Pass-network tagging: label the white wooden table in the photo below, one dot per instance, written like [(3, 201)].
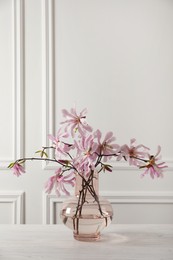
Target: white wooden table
[(118, 242)]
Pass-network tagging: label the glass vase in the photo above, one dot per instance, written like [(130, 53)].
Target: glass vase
[(86, 213)]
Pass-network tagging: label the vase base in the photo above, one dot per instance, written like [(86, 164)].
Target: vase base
[(87, 237)]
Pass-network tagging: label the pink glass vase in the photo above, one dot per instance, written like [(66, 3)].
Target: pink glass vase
[(87, 214)]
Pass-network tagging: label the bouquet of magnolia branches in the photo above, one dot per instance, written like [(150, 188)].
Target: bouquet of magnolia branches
[(80, 151)]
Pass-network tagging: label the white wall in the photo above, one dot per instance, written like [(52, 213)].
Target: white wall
[(114, 57)]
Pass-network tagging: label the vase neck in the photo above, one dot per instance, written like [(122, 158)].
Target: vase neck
[(92, 181)]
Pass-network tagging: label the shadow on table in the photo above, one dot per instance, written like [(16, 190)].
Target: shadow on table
[(113, 238)]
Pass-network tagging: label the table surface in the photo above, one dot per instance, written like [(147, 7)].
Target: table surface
[(121, 242)]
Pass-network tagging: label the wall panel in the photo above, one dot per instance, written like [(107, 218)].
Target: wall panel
[(129, 207), (12, 80), (66, 28), (12, 207), (114, 58)]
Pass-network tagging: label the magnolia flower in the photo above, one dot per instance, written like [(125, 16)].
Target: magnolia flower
[(132, 152), (106, 147), (86, 152), (58, 181), (76, 122), (60, 147), (84, 167), (154, 168), (17, 169)]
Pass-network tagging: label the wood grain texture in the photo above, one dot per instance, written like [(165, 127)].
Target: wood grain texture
[(121, 242)]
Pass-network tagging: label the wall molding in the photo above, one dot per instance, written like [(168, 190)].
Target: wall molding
[(18, 82), (48, 69), (49, 203), (117, 197), (16, 198)]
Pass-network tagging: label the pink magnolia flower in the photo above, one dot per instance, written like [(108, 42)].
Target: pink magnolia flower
[(84, 167), (86, 153), (132, 152), (76, 122), (61, 147), (106, 147), (58, 181), (18, 169), (154, 168)]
